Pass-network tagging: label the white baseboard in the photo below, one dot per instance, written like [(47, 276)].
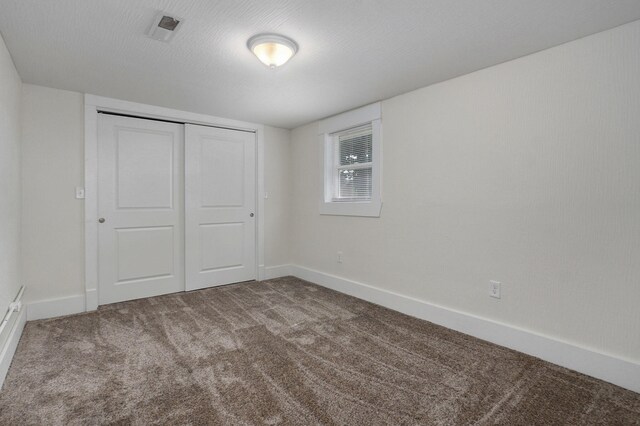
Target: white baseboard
[(620, 372), (52, 308), (91, 300), (276, 271), (11, 343)]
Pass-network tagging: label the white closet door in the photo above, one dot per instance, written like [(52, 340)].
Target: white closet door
[(140, 205), (220, 198)]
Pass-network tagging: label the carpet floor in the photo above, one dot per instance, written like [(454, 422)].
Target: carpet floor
[(285, 352)]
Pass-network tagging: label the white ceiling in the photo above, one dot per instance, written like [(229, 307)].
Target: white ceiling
[(352, 52)]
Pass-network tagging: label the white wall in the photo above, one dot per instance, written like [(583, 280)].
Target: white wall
[(278, 185), (10, 87), (53, 220), (52, 166), (527, 172)]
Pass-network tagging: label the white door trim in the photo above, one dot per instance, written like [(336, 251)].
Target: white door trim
[(93, 104)]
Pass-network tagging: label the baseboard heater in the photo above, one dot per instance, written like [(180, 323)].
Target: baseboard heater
[(14, 306)]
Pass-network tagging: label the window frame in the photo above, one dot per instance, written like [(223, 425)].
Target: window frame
[(368, 115)]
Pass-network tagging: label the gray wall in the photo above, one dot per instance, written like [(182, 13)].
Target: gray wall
[(10, 88), (527, 173)]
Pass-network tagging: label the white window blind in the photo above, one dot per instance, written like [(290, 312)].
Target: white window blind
[(353, 164)]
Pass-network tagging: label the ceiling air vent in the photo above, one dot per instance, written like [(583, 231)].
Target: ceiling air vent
[(164, 27)]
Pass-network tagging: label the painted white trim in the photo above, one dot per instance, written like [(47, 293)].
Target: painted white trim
[(370, 114), (151, 111), (349, 119), (609, 368), (91, 299), (51, 308), (11, 344), (260, 204), (277, 271), (93, 104), (91, 204)]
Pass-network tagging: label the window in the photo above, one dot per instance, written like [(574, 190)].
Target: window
[(353, 164), (351, 144)]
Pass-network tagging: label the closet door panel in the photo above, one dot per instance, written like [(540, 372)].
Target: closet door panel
[(220, 199), (140, 205)]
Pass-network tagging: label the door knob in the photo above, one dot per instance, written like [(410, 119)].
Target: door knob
[(250, 214), (101, 220)]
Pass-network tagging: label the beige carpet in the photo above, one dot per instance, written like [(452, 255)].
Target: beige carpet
[(285, 352)]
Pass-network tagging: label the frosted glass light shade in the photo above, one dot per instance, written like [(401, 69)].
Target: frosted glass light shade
[(272, 50)]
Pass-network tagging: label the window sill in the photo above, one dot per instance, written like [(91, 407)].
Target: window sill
[(364, 209)]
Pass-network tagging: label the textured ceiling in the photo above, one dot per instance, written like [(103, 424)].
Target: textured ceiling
[(352, 52)]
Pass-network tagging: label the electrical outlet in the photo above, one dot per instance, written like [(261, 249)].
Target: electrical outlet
[(494, 289), (339, 257)]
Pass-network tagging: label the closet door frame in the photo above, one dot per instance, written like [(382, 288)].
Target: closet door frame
[(95, 104)]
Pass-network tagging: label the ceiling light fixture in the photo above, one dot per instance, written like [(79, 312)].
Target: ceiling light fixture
[(273, 50)]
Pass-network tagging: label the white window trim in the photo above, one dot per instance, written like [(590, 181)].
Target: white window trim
[(358, 117)]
